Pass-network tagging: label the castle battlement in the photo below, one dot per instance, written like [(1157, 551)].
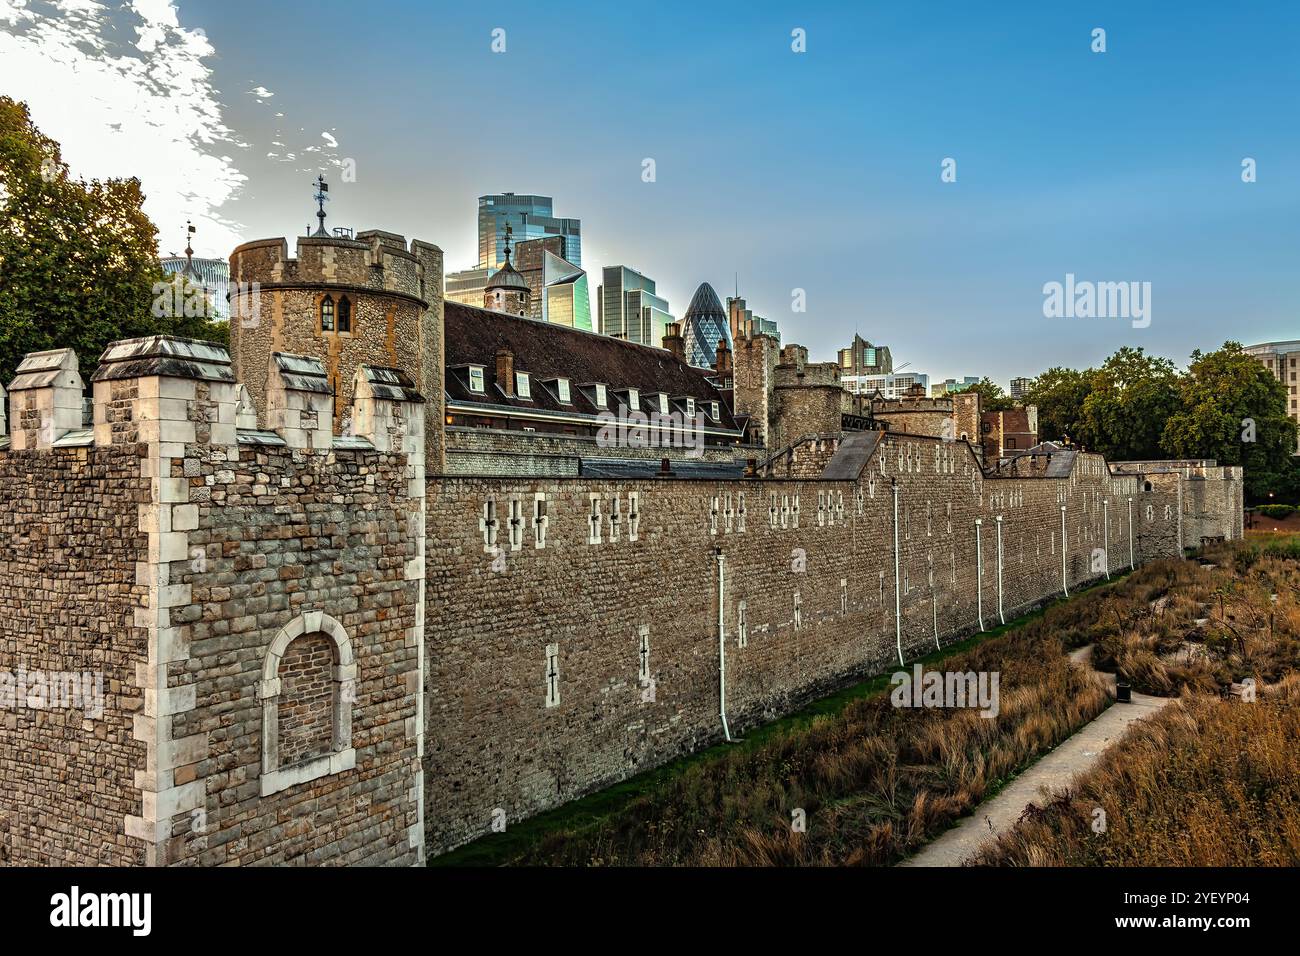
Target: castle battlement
[(374, 260)]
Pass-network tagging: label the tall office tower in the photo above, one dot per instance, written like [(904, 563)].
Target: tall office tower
[(1280, 359), (745, 324), (863, 358), (529, 217), (1020, 387), (704, 325), (628, 308)]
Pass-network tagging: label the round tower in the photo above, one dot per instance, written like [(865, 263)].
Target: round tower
[(349, 301)]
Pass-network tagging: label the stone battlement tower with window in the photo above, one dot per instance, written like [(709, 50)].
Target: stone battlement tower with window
[(348, 301)]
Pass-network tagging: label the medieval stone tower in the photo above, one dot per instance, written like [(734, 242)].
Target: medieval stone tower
[(369, 300)]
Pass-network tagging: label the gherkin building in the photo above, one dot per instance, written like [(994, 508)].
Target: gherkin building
[(703, 326)]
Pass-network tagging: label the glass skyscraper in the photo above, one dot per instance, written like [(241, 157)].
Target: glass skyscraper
[(704, 325), (529, 217), (628, 308)]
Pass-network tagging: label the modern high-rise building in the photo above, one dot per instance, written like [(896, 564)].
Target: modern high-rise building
[(466, 286), (950, 385), (745, 324), (1280, 358), (559, 288), (529, 217), (1020, 387), (863, 358), (704, 325), (889, 384), (627, 307)]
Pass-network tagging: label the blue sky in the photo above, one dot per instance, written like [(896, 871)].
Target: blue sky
[(817, 171)]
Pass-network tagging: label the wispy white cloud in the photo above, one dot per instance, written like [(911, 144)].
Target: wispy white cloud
[(121, 107)]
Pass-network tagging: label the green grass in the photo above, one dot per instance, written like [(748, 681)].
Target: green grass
[(595, 809)]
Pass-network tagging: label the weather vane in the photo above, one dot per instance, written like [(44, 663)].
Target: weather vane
[(321, 197)]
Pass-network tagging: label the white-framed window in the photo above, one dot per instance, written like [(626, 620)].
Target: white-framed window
[(601, 399), (663, 403), (690, 408), (522, 387), (476, 378), (552, 675), (633, 400), (562, 387), (643, 654), (540, 520), (714, 412)]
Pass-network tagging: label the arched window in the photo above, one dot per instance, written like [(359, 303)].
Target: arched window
[(307, 689), (345, 314), (327, 314)]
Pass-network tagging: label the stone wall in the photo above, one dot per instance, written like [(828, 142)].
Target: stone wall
[(185, 563), (68, 554), (574, 624), (492, 451)]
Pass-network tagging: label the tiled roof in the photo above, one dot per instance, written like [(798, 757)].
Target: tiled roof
[(547, 351)]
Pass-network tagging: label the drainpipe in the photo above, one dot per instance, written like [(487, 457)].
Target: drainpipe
[(1105, 531), (898, 601), (1131, 565), (1001, 619), (722, 644), (979, 573), (1065, 585), (1179, 479)]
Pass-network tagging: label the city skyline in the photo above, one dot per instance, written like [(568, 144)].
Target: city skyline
[(1115, 166)]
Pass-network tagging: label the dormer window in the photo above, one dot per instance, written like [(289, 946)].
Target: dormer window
[(476, 378), (522, 388), (690, 408), (663, 403), (633, 399), (714, 412), (601, 398), (562, 388)]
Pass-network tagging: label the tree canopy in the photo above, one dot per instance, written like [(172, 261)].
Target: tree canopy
[(1226, 406), (78, 259)]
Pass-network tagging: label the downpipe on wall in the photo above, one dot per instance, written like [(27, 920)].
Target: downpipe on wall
[(1105, 534), (898, 602), (1131, 547), (979, 572), (1001, 619), (722, 643), (1065, 584)]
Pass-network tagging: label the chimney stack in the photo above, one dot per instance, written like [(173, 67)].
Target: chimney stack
[(506, 371), (723, 364), (673, 341)]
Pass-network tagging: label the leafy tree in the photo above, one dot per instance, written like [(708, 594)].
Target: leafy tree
[(1231, 408), (992, 398), (1059, 394), (78, 260), (1132, 395)]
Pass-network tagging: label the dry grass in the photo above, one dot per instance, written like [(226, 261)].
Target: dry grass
[(876, 782), (1205, 782)]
